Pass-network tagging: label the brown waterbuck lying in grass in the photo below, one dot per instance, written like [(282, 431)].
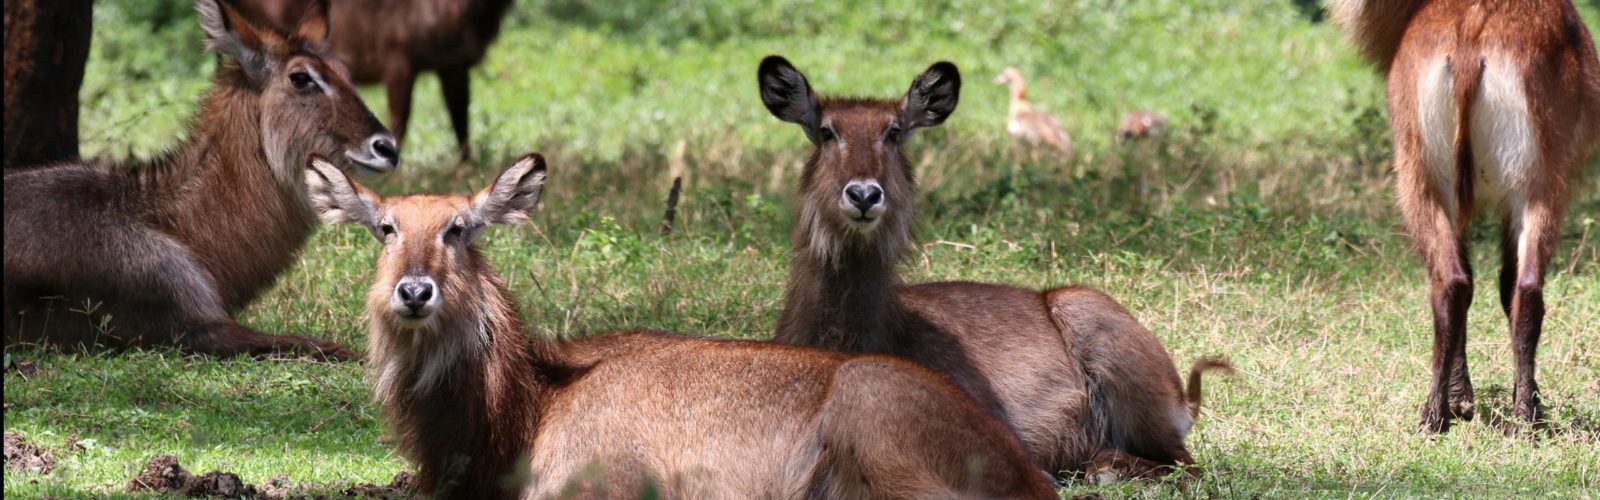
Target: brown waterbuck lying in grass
[(1494, 105), (481, 405), (394, 41), (1086, 387), (165, 251)]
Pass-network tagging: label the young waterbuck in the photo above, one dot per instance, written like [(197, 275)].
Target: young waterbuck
[(1085, 386), (480, 405), (394, 41), (1495, 106), (165, 251)]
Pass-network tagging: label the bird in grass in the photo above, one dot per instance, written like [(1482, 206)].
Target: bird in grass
[(1027, 123), (1142, 125)]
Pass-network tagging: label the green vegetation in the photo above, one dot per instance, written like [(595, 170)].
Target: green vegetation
[(1263, 231)]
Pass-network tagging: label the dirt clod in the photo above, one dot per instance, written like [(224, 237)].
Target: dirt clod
[(163, 474), (23, 456)]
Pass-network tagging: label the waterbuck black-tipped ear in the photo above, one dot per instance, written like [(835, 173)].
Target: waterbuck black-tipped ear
[(932, 97), (228, 33), (787, 94), (514, 193), (314, 24), (337, 199)]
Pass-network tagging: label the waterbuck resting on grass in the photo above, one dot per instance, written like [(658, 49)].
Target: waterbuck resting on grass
[(1494, 105), (165, 251), (1085, 386), (480, 405)]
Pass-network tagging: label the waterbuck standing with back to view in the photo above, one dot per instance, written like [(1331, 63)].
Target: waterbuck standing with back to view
[(1494, 105), (1086, 387), (486, 409), (166, 251)]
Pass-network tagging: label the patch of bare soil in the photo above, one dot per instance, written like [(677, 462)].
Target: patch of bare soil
[(23, 456), (164, 475)]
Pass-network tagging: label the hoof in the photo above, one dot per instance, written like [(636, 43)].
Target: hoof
[(1434, 422), (1462, 409)]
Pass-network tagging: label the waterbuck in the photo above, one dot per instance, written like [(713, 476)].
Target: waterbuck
[(1085, 386), (1494, 105), (165, 251), (480, 405), (393, 41)]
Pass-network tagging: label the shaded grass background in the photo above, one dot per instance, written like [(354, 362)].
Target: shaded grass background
[(1262, 230)]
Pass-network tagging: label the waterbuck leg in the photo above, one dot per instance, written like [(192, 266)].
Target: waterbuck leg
[(227, 339), (398, 88), (1432, 219), (457, 87), (1540, 221), (1112, 465)]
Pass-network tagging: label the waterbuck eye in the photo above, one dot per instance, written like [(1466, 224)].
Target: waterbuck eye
[(893, 134), (826, 134), (387, 230), (454, 232), (302, 81)]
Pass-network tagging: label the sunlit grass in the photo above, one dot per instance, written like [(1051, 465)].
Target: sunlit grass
[(1264, 232)]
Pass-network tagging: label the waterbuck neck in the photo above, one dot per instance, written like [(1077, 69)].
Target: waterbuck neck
[(475, 388), (243, 219), (848, 302)]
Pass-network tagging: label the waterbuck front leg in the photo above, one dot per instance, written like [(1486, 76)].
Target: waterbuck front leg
[(457, 86), (226, 339), (166, 294)]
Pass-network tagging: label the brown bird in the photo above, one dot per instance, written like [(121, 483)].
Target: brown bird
[(1142, 125), (1029, 124)]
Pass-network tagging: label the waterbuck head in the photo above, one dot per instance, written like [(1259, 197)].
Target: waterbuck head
[(301, 95), (429, 270), (857, 188)]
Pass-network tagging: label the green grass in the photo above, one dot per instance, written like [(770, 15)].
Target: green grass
[(1264, 233)]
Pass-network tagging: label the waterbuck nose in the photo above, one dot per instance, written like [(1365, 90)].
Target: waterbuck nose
[(415, 294), (384, 147), (863, 195)]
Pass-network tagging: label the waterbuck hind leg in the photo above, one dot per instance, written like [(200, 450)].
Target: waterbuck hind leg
[(1540, 229), (1431, 220), (1111, 466), (457, 87)]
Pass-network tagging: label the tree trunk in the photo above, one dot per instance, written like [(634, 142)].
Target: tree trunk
[(46, 47)]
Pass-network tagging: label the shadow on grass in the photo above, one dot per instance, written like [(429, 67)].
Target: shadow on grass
[(238, 414)]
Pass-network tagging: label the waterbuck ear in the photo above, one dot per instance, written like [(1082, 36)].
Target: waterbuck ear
[(513, 194), (229, 34), (337, 199), (932, 97), (787, 94), (313, 28)]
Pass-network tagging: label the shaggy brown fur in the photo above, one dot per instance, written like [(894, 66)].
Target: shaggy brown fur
[(164, 252), (1069, 369), (486, 410), (394, 41), (1494, 104)]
